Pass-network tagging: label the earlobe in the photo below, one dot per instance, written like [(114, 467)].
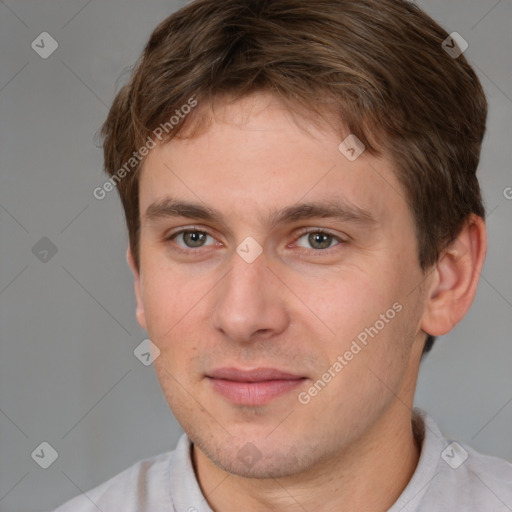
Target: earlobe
[(455, 278), (139, 313)]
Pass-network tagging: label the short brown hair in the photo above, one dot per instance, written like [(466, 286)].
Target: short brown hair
[(378, 64)]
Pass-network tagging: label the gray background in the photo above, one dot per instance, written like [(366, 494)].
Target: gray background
[(68, 375)]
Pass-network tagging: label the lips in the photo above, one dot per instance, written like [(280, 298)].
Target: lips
[(253, 387), (255, 375)]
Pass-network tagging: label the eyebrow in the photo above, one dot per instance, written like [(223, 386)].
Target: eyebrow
[(338, 209)]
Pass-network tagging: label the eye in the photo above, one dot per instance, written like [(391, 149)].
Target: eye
[(317, 240), (191, 238)]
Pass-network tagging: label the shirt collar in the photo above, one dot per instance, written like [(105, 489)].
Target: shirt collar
[(186, 494)]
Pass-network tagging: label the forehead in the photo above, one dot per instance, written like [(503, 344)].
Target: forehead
[(256, 156)]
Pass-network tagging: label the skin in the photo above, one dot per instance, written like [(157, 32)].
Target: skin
[(296, 308)]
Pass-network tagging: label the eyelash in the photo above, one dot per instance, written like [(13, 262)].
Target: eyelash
[(320, 231), (303, 232)]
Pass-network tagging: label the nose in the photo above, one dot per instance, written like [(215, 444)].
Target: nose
[(250, 302)]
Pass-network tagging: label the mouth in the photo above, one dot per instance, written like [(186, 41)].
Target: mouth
[(253, 387)]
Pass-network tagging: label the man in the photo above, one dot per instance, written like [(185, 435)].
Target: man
[(304, 217)]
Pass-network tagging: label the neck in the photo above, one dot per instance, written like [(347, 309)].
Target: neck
[(370, 475)]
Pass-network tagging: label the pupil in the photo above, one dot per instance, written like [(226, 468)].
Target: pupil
[(319, 240)]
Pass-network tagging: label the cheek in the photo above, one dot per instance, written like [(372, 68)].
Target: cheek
[(369, 315), (169, 298), (177, 310), (345, 303)]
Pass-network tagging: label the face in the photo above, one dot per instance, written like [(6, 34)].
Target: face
[(279, 280)]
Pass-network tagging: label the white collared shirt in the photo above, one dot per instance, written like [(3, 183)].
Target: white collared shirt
[(449, 477)]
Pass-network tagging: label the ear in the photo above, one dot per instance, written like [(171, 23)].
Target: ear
[(454, 280), (140, 314)]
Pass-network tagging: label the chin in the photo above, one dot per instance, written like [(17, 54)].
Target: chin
[(263, 466), (260, 459)]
